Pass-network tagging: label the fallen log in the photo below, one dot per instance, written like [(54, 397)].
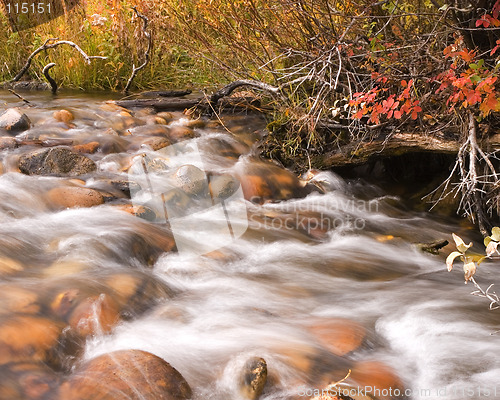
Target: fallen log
[(397, 144), (180, 104)]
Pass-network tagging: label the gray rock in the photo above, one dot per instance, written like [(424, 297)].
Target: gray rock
[(57, 161), (191, 180), (12, 120), (223, 186)]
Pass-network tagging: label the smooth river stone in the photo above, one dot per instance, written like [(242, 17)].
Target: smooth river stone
[(27, 381), (63, 116), (377, 375), (94, 315), (180, 133), (59, 161), (191, 180), (27, 338), (338, 335), (15, 299), (263, 181), (125, 375), (74, 196), (12, 120)]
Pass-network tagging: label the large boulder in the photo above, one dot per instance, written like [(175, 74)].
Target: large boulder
[(12, 120), (126, 374), (59, 161)]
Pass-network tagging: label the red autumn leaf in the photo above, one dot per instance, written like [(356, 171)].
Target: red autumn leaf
[(398, 114)]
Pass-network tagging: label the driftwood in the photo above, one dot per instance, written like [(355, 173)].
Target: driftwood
[(396, 144), (165, 93), (180, 104)]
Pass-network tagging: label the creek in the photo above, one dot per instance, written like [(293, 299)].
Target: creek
[(315, 283)]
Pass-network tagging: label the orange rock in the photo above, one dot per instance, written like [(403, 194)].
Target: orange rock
[(376, 375), (195, 123), (89, 148), (73, 196), (139, 211), (14, 299), (27, 338), (338, 335), (27, 381), (9, 266), (98, 314), (263, 181), (63, 116), (157, 142), (126, 374), (178, 133), (255, 188)]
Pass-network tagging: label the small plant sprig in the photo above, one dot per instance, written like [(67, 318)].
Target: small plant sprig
[(472, 261)]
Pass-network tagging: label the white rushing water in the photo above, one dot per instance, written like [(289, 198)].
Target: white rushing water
[(258, 296)]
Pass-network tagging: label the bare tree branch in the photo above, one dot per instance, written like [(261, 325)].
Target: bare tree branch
[(49, 45), (135, 69)]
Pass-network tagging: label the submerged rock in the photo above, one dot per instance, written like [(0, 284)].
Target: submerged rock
[(377, 376), (12, 120), (27, 381), (340, 336), (89, 148), (63, 116), (264, 181), (27, 338), (59, 161), (126, 374)]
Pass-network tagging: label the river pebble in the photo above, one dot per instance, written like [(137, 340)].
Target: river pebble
[(134, 374)]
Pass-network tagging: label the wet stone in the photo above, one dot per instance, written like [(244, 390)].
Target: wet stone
[(27, 381), (63, 116), (74, 196), (27, 338), (15, 299), (94, 315), (338, 335), (254, 378), (376, 375), (223, 186), (8, 142), (179, 133), (191, 180), (57, 161), (156, 143), (89, 148), (134, 374), (12, 120)]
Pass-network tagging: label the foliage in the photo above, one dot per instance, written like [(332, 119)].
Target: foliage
[(471, 259)]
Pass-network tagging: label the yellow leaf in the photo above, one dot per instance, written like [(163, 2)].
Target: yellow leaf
[(461, 246), (451, 258)]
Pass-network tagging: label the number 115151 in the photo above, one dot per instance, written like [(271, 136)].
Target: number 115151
[(27, 8)]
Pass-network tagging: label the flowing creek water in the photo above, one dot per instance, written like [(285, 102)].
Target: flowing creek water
[(314, 283)]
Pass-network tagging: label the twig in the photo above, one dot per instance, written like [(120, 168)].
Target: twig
[(48, 45), (19, 96), (491, 296), (135, 69)]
